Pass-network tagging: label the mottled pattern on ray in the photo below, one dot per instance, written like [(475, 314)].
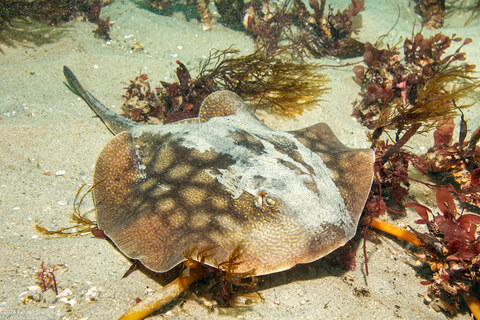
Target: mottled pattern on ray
[(352, 175), (224, 181)]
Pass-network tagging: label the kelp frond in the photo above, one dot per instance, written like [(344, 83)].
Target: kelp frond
[(275, 83), (82, 224)]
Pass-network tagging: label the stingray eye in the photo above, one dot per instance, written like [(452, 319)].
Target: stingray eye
[(263, 200), (269, 201)]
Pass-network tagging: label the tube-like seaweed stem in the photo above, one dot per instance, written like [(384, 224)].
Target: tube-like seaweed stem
[(473, 304), (193, 271), (398, 232), (470, 299), (400, 143)]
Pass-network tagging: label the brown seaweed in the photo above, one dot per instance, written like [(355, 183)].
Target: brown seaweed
[(82, 225), (433, 12), (224, 275), (280, 85), (303, 32), (275, 83)]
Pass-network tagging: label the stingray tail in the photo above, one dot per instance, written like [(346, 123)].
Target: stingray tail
[(114, 122)]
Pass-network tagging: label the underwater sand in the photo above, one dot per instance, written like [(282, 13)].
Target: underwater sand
[(45, 128)]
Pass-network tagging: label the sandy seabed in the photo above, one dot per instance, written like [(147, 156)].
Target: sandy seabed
[(44, 127)]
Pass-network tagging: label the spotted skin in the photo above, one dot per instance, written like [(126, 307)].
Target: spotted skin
[(225, 181)]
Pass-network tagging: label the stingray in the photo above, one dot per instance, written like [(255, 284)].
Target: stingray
[(227, 182)]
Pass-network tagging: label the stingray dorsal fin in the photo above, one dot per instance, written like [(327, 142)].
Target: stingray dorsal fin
[(220, 104)]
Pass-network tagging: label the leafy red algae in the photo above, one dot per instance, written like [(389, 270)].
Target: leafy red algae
[(452, 251)]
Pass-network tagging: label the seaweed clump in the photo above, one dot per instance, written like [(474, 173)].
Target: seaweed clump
[(408, 95), (229, 287), (235, 288), (275, 83), (46, 278), (169, 103), (330, 34), (412, 93), (433, 12), (279, 85), (290, 25), (451, 251), (450, 248), (304, 32), (458, 162)]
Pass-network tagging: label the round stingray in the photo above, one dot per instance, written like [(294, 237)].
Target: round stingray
[(206, 190)]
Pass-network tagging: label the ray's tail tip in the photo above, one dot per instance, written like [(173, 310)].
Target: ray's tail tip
[(72, 82), (67, 72)]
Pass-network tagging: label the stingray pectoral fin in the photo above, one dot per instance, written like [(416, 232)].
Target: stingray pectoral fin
[(114, 122), (130, 208), (353, 177), (319, 138), (116, 173), (352, 168)]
